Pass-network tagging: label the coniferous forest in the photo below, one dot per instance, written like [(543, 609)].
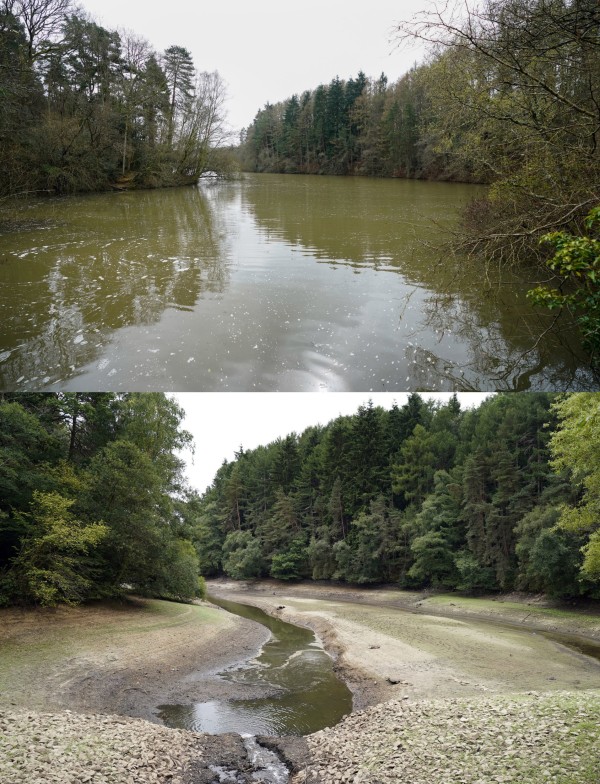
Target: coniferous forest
[(496, 498), (490, 499), (83, 108)]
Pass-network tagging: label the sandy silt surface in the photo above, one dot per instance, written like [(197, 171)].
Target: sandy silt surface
[(385, 652), (120, 658)]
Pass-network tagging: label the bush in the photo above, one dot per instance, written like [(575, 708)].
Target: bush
[(576, 263)]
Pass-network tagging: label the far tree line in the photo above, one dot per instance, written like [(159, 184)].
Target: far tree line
[(84, 108), (509, 96), (499, 498), (93, 502)]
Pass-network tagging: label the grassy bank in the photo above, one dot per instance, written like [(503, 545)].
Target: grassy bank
[(74, 657), (527, 610), (390, 642), (523, 610)]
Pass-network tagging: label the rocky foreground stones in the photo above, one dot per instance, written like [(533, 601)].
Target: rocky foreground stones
[(70, 748), (527, 738)]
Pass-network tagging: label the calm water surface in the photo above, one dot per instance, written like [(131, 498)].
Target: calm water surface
[(307, 697), (288, 283)]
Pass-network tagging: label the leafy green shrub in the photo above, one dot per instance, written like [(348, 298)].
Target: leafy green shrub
[(48, 569), (242, 555), (576, 262)]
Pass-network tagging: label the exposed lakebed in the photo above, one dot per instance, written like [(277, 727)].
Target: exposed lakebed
[(303, 693), (276, 282)]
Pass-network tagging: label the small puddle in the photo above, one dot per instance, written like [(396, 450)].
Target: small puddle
[(305, 695)]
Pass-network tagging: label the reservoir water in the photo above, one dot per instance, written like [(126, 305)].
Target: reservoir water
[(304, 694), (276, 282)]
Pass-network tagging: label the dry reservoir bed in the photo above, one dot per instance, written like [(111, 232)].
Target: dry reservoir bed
[(469, 703)]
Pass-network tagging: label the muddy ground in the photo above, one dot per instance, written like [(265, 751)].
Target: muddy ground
[(390, 643), (122, 658), (129, 658)]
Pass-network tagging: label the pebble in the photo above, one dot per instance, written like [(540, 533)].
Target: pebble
[(513, 739), (70, 748)]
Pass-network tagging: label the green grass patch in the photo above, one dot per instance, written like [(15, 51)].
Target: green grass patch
[(482, 604)]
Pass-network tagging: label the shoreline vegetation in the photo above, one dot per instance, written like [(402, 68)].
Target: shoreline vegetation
[(113, 661), (497, 498), (508, 96), (89, 109)]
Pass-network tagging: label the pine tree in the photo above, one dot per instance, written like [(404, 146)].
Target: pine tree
[(179, 71)]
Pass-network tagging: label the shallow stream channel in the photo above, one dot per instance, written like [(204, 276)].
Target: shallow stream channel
[(304, 694)]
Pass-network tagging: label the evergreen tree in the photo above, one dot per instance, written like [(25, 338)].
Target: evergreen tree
[(179, 72)]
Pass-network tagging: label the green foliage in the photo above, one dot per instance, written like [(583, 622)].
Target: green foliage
[(575, 448), (47, 569), (69, 460), (591, 562), (420, 495), (433, 561), (358, 126), (208, 539), (320, 555), (473, 577), (576, 263), (178, 573), (549, 558), (555, 561), (292, 563), (242, 556)]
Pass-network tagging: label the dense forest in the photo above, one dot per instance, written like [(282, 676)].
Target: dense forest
[(91, 499), (83, 108), (510, 97), (501, 497)]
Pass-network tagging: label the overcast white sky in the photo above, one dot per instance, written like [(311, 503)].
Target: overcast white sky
[(222, 421), (267, 50)]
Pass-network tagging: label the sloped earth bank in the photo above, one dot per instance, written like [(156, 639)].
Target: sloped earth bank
[(469, 702), (390, 643), (70, 679)]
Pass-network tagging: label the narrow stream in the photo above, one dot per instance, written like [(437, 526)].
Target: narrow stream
[(305, 695)]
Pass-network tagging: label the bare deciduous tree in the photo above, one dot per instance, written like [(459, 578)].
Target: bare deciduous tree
[(42, 20), (517, 82), (203, 127)]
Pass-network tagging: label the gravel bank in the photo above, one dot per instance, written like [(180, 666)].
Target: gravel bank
[(69, 748), (529, 738), (519, 739)]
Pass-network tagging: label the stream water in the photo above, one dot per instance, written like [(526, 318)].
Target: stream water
[(304, 694)]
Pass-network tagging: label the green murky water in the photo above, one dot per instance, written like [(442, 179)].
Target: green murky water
[(288, 283), (305, 695)]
